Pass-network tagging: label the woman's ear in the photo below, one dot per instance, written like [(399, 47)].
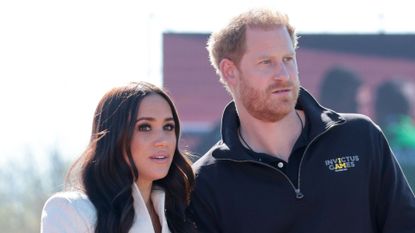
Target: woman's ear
[(229, 72)]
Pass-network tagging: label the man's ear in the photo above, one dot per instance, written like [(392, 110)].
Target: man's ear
[(229, 72)]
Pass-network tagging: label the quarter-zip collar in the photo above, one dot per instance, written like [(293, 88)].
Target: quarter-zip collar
[(320, 119)]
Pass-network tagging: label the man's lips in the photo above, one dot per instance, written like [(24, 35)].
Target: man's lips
[(281, 91)]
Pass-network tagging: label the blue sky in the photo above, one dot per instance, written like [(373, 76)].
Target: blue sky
[(57, 58)]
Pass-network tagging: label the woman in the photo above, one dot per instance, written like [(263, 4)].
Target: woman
[(131, 177)]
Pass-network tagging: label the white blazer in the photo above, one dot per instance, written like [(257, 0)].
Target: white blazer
[(73, 212)]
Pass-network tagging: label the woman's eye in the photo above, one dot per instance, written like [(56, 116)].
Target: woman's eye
[(144, 127), (169, 127)]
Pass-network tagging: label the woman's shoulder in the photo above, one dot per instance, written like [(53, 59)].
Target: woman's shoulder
[(67, 210), (69, 200), (69, 196)]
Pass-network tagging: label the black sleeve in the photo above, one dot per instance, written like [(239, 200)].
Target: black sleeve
[(395, 207), (202, 210)]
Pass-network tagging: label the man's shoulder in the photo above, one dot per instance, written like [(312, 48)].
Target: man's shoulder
[(355, 116), (206, 160), (361, 124), (358, 120)]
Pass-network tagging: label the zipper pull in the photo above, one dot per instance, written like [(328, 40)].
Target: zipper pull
[(298, 194)]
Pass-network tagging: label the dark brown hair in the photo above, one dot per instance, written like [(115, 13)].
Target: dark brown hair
[(103, 173)]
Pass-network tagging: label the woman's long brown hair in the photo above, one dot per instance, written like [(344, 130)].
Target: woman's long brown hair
[(107, 178)]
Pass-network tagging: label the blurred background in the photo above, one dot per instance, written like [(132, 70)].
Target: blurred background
[(58, 58)]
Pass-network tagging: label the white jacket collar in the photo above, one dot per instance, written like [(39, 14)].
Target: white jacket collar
[(142, 220)]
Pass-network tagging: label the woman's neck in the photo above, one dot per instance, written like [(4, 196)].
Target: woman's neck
[(145, 190)]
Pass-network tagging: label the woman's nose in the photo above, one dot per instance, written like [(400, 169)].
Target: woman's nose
[(162, 139)]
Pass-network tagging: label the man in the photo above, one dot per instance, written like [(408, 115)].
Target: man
[(285, 163)]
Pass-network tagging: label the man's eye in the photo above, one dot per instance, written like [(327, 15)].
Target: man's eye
[(169, 127), (287, 59), (266, 61), (144, 127)]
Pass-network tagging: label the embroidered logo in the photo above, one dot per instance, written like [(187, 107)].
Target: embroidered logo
[(342, 163)]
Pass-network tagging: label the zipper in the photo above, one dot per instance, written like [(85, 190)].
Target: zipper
[(299, 194), (297, 190)]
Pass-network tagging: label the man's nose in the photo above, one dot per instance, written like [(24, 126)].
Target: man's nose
[(281, 72)]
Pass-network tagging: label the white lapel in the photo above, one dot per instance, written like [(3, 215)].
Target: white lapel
[(158, 196), (142, 219)]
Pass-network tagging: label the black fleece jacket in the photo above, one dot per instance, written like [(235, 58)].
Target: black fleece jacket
[(348, 181)]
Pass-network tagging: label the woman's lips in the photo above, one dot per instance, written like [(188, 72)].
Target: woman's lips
[(159, 157)]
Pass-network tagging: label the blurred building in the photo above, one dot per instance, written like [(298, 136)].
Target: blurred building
[(200, 98)]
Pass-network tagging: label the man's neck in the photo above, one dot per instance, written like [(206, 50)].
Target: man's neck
[(273, 138)]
